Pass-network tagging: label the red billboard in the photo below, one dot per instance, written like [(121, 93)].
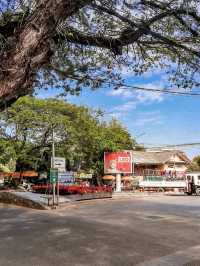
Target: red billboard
[(118, 162)]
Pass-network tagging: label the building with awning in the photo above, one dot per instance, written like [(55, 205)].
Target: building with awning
[(168, 163), (163, 162)]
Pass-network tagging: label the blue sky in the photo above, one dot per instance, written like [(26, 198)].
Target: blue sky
[(165, 119)]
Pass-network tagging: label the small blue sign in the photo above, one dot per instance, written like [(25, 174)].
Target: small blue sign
[(66, 178)]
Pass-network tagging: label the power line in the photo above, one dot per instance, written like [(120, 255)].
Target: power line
[(172, 145), (165, 91), (140, 135)]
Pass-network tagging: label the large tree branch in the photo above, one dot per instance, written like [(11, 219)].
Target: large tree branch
[(133, 33), (74, 36), (165, 6), (31, 48), (127, 37), (185, 25), (173, 43)]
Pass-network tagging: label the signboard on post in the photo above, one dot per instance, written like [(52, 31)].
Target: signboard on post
[(66, 178), (84, 176), (59, 163), (53, 175), (118, 162)]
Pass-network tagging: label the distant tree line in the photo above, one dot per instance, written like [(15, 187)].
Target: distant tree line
[(81, 135)]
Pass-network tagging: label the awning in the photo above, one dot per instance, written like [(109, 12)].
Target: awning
[(29, 174), (108, 177), (15, 175)]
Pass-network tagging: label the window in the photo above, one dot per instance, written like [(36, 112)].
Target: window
[(190, 178)]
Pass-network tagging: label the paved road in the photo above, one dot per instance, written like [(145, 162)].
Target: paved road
[(143, 231)]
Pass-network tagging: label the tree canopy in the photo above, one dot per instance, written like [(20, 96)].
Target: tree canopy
[(195, 164), (81, 136), (84, 43)]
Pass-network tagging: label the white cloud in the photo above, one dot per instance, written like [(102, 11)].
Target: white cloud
[(153, 117), (140, 96), (124, 93), (127, 72), (120, 111), (148, 120), (149, 96), (130, 105), (132, 98), (116, 115)]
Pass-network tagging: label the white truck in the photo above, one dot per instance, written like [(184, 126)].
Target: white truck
[(190, 184)]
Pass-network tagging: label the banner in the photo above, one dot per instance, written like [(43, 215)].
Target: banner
[(118, 162)]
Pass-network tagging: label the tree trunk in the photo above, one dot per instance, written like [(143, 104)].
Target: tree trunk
[(30, 48)]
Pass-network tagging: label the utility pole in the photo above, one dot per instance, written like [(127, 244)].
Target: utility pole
[(52, 166), (57, 185)]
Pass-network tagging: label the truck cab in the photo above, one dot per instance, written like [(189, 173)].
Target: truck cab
[(193, 180)]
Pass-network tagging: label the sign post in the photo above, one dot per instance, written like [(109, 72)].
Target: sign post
[(54, 180), (52, 176), (59, 164)]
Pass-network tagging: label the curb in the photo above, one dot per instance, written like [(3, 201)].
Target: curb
[(11, 198)]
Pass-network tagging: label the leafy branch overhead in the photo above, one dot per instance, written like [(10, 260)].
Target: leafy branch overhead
[(84, 43)]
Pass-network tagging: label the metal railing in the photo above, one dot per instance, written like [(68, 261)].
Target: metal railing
[(159, 174), (163, 178)]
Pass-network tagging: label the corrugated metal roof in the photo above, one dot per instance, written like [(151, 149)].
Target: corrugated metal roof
[(147, 157)]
